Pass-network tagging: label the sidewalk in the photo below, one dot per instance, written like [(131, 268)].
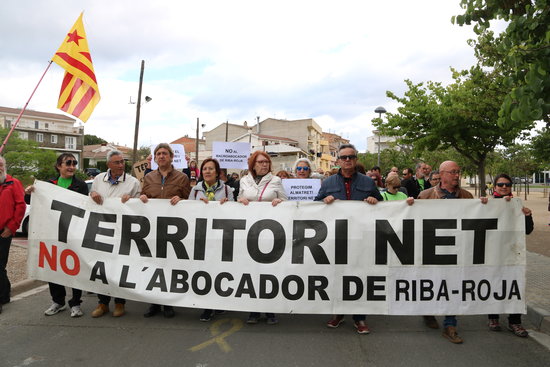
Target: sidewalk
[(537, 273)]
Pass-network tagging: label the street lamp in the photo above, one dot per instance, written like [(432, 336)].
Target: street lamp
[(197, 142), (379, 110)]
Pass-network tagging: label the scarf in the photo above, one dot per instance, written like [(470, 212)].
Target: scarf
[(210, 191)]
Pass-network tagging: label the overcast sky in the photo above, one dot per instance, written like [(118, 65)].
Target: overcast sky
[(332, 61)]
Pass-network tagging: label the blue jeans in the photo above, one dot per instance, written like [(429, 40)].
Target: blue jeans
[(449, 321)]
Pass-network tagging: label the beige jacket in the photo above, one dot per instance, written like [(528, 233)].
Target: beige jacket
[(436, 193)]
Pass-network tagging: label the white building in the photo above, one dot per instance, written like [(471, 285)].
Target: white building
[(385, 142)]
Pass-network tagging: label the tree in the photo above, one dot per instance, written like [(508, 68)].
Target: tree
[(25, 160), (93, 140), (521, 52), (462, 116), (540, 146)]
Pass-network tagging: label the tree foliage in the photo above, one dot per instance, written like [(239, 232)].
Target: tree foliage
[(93, 140), (462, 116), (25, 160), (521, 53), (540, 146)]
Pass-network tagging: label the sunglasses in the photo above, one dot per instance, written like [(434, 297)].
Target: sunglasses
[(346, 157), (302, 168), (502, 184), (70, 162)]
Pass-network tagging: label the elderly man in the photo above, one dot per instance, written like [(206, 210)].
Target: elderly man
[(164, 183), (448, 188), (12, 210), (347, 184), (114, 183)]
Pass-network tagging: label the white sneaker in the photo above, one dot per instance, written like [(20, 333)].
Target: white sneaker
[(76, 311), (55, 308)]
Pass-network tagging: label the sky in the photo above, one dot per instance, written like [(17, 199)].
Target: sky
[(219, 61)]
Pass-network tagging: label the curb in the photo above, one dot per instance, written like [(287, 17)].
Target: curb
[(25, 285), (540, 318)]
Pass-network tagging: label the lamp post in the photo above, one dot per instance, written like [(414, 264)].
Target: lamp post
[(379, 110), (138, 110)]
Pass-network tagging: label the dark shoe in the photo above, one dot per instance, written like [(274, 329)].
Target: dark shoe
[(431, 322), (519, 330), (361, 327), (221, 312), (252, 319), (451, 334), (335, 321), (0, 308), (152, 311), (494, 325), (169, 312), (206, 315), (272, 320)]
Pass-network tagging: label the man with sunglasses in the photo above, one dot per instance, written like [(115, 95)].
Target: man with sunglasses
[(12, 210), (114, 183), (448, 188), (348, 184)]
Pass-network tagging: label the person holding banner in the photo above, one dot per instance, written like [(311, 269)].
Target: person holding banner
[(448, 188), (348, 184), (12, 210), (503, 189), (66, 169), (261, 185), (114, 183), (164, 183), (211, 188), (302, 168)]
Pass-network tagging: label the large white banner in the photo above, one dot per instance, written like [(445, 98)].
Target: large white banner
[(435, 257)]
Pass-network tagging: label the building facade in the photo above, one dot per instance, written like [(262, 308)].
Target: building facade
[(51, 131), (385, 142)]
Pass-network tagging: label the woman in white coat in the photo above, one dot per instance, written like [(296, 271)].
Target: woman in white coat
[(261, 185)]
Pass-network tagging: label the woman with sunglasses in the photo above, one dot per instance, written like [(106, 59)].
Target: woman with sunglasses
[(302, 168), (261, 185), (503, 189), (66, 168)]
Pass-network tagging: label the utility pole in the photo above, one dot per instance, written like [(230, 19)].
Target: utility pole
[(138, 108)]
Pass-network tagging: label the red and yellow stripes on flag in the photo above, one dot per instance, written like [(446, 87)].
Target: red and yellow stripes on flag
[(79, 91)]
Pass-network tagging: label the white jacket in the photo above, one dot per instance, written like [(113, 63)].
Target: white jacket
[(269, 188)]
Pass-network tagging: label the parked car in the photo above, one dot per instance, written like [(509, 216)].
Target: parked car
[(89, 183), (24, 227), (92, 172)]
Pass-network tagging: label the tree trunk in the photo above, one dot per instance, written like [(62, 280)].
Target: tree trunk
[(481, 175)]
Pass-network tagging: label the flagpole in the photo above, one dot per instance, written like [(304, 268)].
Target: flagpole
[(24, 108)]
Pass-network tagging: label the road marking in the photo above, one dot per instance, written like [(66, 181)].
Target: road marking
[(218, 338)]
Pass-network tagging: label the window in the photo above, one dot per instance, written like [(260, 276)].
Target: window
[(7, 124), (23, 135), (46, 126), (36, 124), (70, 142), (40, 137), (53, 139)]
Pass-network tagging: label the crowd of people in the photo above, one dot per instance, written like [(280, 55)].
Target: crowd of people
[(348, 181)]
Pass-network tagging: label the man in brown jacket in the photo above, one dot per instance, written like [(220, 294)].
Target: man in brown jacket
[(448, 188), (164, 183)]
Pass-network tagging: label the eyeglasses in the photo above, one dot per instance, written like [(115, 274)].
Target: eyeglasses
[(435, 179), (302, 168), (346, 157), (502, 184), (262, 162), (118, 162), (453, 172), (70, 162)]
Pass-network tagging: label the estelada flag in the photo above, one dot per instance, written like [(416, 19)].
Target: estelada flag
[(79, 91)]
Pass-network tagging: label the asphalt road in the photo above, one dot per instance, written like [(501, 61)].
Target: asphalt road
[(29, 338)]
